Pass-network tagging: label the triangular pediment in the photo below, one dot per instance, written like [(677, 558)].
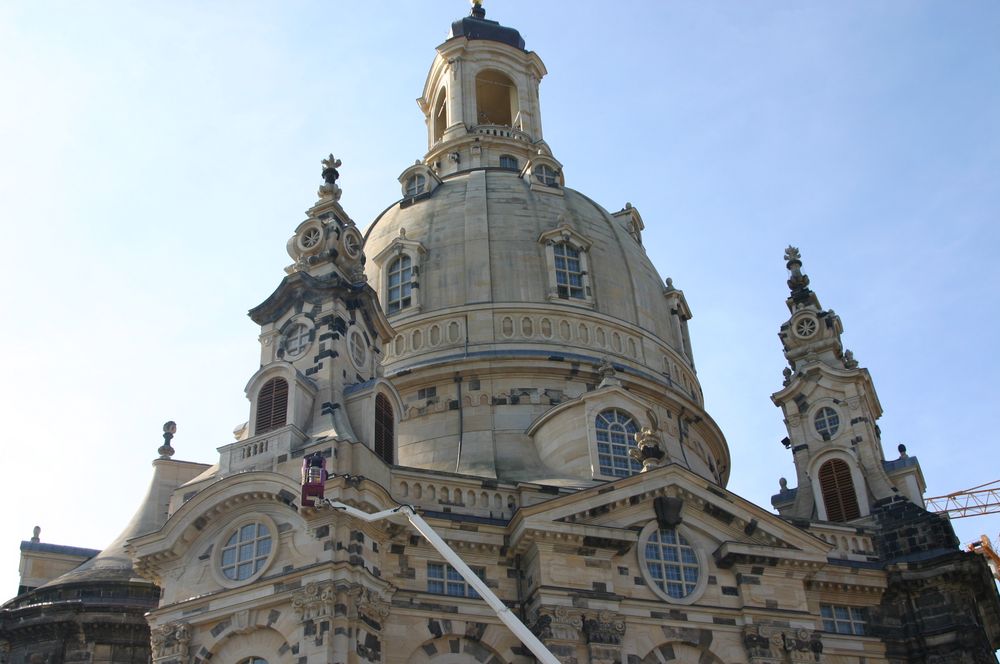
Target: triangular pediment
[(611, 516)]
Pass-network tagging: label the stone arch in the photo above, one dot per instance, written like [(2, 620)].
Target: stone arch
[(681, 652), (235, 645), (454, 649), (468, 643)]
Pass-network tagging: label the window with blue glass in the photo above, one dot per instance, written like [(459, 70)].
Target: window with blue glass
[(672, 563), (246, 551), (844, 619), (615, 431), (443, 579)]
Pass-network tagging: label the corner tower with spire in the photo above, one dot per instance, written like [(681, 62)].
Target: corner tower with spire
[(831, 411)]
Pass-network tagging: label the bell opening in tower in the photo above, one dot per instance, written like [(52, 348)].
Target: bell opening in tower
[(440, 115), (496, 99)]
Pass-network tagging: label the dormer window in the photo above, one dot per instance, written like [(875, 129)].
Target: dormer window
[(417, 182), (400, 278), (546, 175), (415, 185), (569, 274), (508, 162), (399, 268), (566, 254)]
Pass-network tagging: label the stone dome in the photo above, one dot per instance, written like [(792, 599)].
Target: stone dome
[(508, 264), (530, 327)]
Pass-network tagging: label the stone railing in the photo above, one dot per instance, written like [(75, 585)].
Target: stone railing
[(502, 132), (847, 542), (457, 497)]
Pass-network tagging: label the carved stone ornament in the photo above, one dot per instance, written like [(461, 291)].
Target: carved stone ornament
[(316, 600), (330, 176), (647, 450), (608, 373), (769, 643), (243, 621), (369, 604), (605, 628), (558, 624), (171, 642)]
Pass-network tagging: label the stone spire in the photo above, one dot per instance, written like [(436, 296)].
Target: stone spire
[(798, 282), (830, 410)]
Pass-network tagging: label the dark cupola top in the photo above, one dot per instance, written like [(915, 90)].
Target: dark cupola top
[(476, 26)]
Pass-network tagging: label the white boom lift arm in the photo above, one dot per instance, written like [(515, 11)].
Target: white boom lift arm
[(503, 613)]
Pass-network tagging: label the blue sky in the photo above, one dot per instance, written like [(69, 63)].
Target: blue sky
[(157, 156)]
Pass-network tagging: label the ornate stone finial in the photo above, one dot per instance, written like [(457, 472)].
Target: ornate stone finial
[(166, 451), (798, 283), (330, 166), (35, 534), (608, 373), (902, 451), (477, 9), (787, 373), (670, 284), (647, 450), (849, 360), (330, 176), (783, 484)]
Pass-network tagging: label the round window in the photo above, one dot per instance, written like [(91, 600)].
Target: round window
[(309, 238), (358, 349), (806, 326), (352, 243), (296, 340), (672, 563), (827, 422), (246, 551)]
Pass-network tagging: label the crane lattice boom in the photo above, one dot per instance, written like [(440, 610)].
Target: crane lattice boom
[(982, 499)]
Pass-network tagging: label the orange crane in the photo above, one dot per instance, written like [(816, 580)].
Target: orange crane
[(979, 500), (985, 547), (982, 499)]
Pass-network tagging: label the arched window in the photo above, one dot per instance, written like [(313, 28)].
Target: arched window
[(415, 185), (272, 405), (546, 175), (837, 488), (496, 98), (384, 428), (615, 435), (569, 273), (508, 162), (400, 275)]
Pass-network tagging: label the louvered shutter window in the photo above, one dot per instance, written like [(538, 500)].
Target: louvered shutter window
[(837, 488), (384, 428), (272, 405)]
